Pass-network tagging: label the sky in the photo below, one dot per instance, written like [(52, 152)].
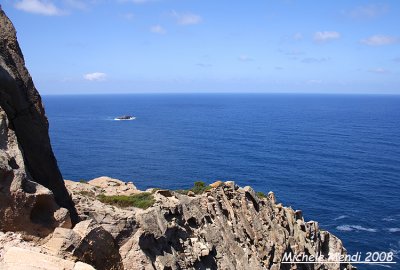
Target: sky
[(151, 46)]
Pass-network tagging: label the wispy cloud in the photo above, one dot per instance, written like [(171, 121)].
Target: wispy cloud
[(310, 60), (379, 40), (41, 7), (245, 58), (379, 70), (187, 18), (368, 11), (95, 76), (325, 36), (397, 59), (158, 29)]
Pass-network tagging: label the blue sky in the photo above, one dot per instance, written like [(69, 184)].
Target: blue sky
[(146, 46)]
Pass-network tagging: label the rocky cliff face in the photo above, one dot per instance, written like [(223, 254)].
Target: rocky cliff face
[(25, 205), (23, 107), (226, 227)]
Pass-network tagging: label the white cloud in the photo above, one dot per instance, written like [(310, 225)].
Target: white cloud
[(245, 58), (95, 76), (158, 29), (326, 36), (42, 7), (368, 11), (187, 18), (379, 70), (379, 40)]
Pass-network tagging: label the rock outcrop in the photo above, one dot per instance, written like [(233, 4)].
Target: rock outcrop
[(25, 205), (22, 104), (227, 227)]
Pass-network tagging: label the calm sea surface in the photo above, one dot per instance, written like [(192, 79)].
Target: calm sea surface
[(336, 157)]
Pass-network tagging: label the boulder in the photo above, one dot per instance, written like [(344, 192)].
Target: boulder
[(87, 242)]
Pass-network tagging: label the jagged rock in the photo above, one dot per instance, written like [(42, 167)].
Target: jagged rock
[(224, 228), (25, 206), (164, 192), (216, 184), (22, 104), (87, 242)]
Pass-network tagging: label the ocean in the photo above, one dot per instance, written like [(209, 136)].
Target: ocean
[(336, 157)]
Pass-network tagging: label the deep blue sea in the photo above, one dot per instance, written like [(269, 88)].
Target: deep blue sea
[(336, 157)]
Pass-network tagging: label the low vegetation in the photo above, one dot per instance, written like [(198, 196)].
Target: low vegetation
[(199, 187), (142, 200), (261, 194)]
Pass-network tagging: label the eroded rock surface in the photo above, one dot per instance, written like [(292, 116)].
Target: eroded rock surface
[(25, 205), (87, 242), (227, 227)]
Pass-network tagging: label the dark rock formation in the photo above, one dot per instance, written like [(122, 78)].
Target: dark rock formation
[(22, 103)]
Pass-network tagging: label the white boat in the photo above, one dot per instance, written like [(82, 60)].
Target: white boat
[(125, 117)]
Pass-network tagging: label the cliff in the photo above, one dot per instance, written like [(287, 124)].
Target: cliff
[(223, 227), (22, 104), (109, 224)]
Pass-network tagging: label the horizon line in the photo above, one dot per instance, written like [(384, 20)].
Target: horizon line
[(224, 93)]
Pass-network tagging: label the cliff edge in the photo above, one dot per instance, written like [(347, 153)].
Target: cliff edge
[(26, 117)]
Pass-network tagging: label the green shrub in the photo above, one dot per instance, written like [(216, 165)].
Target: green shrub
[(142, 200), (200, 187), (83, 181), (261, 194)]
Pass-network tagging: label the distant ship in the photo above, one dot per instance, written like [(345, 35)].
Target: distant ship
[(125, 117)]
